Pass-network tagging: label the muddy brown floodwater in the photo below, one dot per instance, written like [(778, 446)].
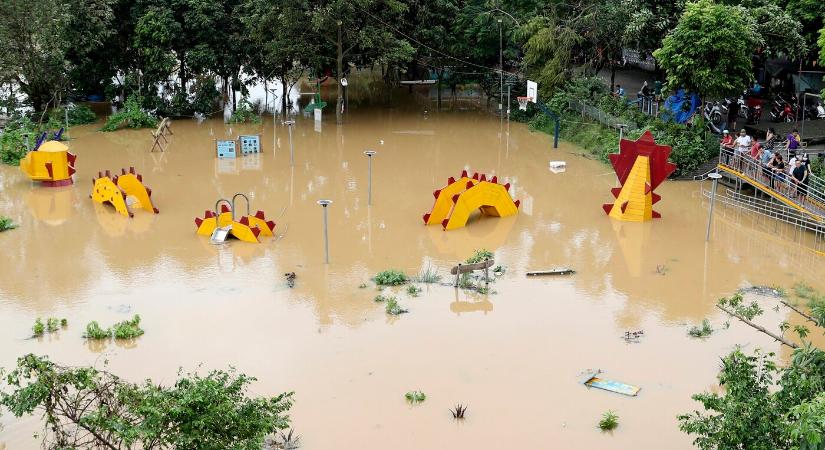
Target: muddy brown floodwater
[(513, 356)]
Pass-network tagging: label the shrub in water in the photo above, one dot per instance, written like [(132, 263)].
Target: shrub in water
[(6, 224), (128, 329), (703, 331), (244, 114), (131, 116), (38, 327), (393, 308), (390, 277), (479, 256), (415, 396), (93, 331)]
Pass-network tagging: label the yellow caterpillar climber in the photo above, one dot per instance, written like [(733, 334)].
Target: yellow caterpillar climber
[(115, 190), (455, 202)]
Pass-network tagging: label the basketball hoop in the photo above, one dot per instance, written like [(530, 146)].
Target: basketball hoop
[(522, 102)]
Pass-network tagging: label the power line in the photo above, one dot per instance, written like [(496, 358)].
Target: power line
[(430, 48)]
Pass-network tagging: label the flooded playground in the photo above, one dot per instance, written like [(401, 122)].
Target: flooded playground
[(514, 356)]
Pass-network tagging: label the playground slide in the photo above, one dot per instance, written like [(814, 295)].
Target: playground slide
[(455, 202), (246, 229), (116, 189)]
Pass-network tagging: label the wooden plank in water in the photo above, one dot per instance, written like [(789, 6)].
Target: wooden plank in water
[(551, 272), (465, 268)]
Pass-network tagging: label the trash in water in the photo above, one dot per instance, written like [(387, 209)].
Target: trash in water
[(633, 336), (290, 279)]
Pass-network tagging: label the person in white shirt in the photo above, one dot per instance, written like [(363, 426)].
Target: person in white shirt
[(743, 145), (792, 163)]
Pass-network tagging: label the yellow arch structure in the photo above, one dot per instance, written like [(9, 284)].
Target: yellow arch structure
[(115, 189), (455, 202)]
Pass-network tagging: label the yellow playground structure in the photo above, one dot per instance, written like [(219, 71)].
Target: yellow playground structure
[(123, 191), (455, 202), (247, 228), (51, 164)]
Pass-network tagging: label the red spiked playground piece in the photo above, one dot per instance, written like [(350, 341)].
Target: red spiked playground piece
[(641, 166)]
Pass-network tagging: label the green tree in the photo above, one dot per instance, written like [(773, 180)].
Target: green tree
[(764, 406), (280, 44), (84, 408), (35, 44), (359, 32), (709, 51)]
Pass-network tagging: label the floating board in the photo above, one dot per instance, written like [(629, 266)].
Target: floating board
[(551, 272), (226, 148), (558, 164), (465, 268), (592, 380)]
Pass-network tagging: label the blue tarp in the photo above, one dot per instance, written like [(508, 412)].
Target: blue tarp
[(680, 106)]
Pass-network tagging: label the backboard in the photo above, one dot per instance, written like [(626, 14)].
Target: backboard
[(533, 91)]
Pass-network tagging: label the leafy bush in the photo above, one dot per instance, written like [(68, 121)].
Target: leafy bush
[(78, 115), (95, 332), (244, 114), (6, 224), (701, 331), (393, 308), (128, 329), (479, 256), (52, 324), (13, 140), (415, 396), (390, 277), (610, 420), (206, 97), (413, 290), (38, 329), (131, 116)]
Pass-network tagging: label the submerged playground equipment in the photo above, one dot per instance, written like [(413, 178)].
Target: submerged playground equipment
[(221, 225), (51, 164), (641, 167), (125, 191), (455, 202)]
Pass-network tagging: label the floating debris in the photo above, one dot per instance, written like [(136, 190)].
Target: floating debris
[(459, 411), (766, 291), (591, 379), (290, 279), (566, 271), (633, 336)]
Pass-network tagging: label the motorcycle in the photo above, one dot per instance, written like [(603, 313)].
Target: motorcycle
[(754, 114), (782, 110), (713, 116)]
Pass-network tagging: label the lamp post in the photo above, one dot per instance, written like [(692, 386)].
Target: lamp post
[(324, 204), (500, 68), (621, 130), (289, 124), (715, 176), (369, 154)]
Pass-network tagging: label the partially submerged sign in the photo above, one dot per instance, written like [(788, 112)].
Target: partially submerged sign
[(591, 379), (466, 268), (226, 148)]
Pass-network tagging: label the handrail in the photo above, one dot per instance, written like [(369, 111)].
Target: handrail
[(778, 185)]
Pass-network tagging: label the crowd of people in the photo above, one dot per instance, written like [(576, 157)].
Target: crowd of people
[(765, 162)]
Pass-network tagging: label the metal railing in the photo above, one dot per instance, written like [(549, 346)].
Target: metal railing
[(809, 198), (600, 116)]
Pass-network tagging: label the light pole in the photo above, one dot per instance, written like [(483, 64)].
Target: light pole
[(325, 203), (621, 131), (715, 176), (500, 68), (289, 124), (370, 154)]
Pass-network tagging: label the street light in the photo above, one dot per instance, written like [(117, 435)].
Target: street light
[(289, 124), (500, 67), (715, 176), (325, 203), (370, 154)]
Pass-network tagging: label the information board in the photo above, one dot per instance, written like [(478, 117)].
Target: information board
[(226, 148), (250, 144)]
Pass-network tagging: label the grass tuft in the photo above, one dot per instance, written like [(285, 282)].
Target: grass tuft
[(610, 420), (704, 330), (413, 290), (415, 396), (6, 224), (459, 411), (428, 275), (393, 308)]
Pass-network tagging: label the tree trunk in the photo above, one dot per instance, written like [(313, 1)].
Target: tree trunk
[(339, 115), (612, 77), (440, 72), (285, 89)]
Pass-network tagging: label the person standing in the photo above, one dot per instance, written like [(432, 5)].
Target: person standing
[(777, 166), (770, 139), (799, 176), (794, 141), (743, 146), (733, 114)]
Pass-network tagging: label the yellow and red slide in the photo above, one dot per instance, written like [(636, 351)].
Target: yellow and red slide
[(116, 189), (455, 202)]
